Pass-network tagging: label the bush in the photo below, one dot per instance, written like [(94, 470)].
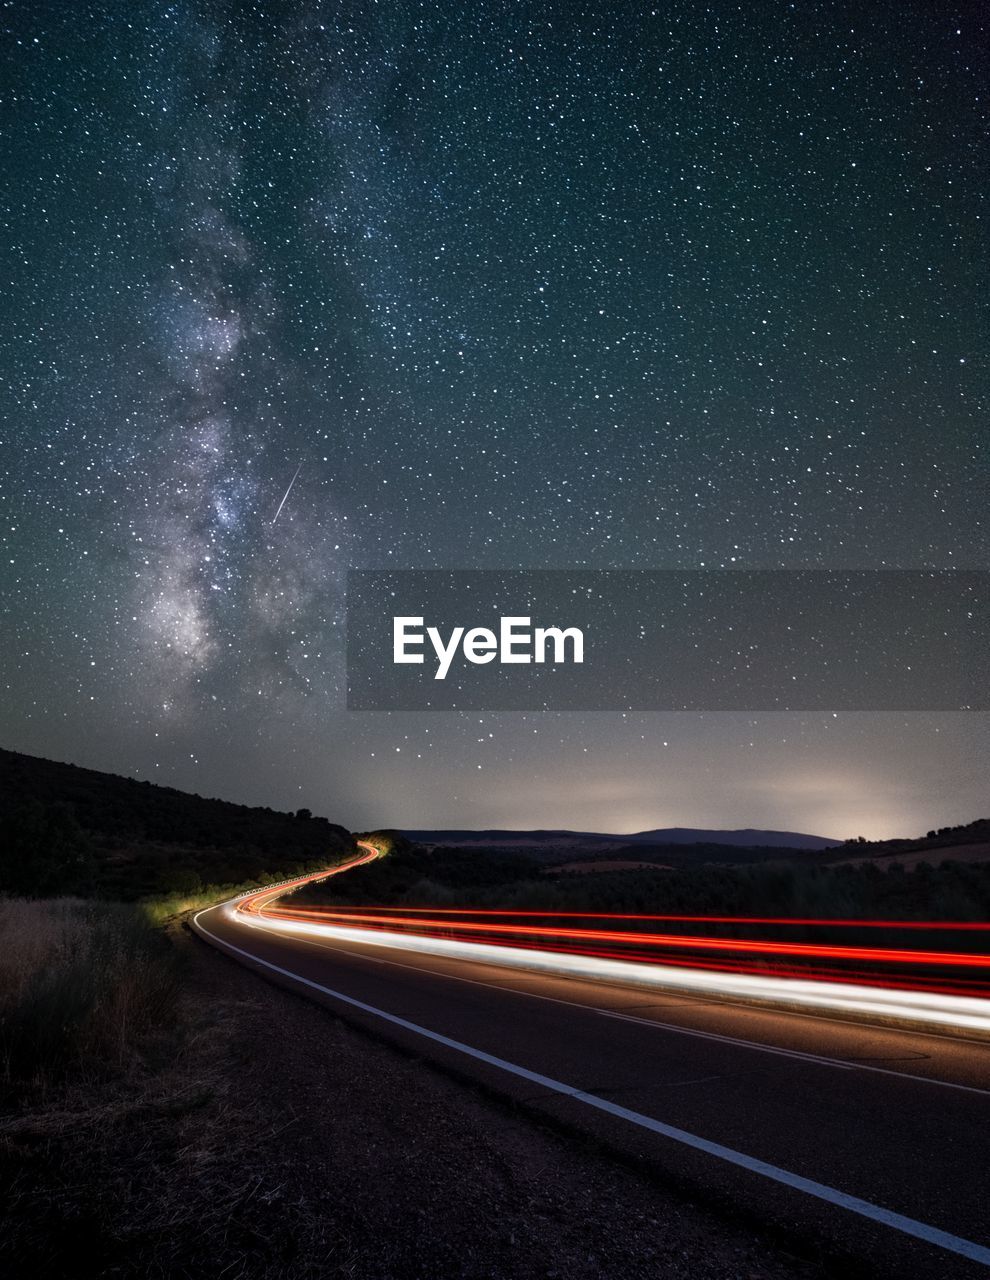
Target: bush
[(43, 849)]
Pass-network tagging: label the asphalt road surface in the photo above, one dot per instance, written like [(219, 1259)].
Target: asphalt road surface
[(869, 1146)]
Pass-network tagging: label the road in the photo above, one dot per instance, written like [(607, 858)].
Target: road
[(866, 1145)]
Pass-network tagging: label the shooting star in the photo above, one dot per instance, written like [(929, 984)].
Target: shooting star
[(286, 494)]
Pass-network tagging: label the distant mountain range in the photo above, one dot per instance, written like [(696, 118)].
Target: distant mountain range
[(747, 838)]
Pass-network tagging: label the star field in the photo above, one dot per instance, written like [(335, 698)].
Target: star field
[(503, 286)]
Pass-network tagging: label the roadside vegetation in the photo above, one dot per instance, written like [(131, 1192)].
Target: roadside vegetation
[(131, 1144), (116, 1063), (451, 877), (86, 989), (92, 866)]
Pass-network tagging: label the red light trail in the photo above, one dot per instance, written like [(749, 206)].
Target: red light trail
[(616, 915), (702, 943), (925, 984)]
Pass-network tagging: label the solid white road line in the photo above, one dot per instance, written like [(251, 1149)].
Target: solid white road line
[(819, 1059), (876, 1213)]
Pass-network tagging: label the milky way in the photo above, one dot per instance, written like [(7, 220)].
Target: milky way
[(501, 286)]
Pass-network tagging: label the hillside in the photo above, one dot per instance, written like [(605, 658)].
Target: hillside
[(967, 842), (64, 829), (670, 846), (799, 886), (537, 842)]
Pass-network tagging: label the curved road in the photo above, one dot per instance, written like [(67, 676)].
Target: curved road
[(869, 1146)]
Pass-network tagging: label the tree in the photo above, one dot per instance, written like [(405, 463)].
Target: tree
[(43, 850)]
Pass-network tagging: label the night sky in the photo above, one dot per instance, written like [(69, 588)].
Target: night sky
[(501, 285)]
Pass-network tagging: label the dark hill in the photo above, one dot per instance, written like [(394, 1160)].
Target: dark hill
[(968, 838), (746, 837), (535, 842), (64, 829)]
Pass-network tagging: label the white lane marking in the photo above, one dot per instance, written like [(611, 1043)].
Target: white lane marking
[(797, 1053), (576, 1004), (778, 1050), (864, 1208)]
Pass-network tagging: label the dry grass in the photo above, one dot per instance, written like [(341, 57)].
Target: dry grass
[(85, 987), (116, 1117), (166, 908), (141, 1159)]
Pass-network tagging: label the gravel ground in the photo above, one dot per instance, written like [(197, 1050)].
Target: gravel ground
[(284, 1143)]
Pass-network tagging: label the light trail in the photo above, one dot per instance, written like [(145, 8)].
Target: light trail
[(977, 925), (702, 943), (722, 965), (256, 899), (922, 1008), (728, 968), (958, 1245), (357, 934)]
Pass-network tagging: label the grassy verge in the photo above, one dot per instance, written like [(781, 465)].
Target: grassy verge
[(125, 1148), (85, 988), (119, 1076), (163, 909), (88, 987)]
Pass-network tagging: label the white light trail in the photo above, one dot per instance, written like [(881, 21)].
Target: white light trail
[(922, 1008)]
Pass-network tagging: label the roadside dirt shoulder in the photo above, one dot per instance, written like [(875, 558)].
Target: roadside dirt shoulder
[(412, 1174), (282, 1142)]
